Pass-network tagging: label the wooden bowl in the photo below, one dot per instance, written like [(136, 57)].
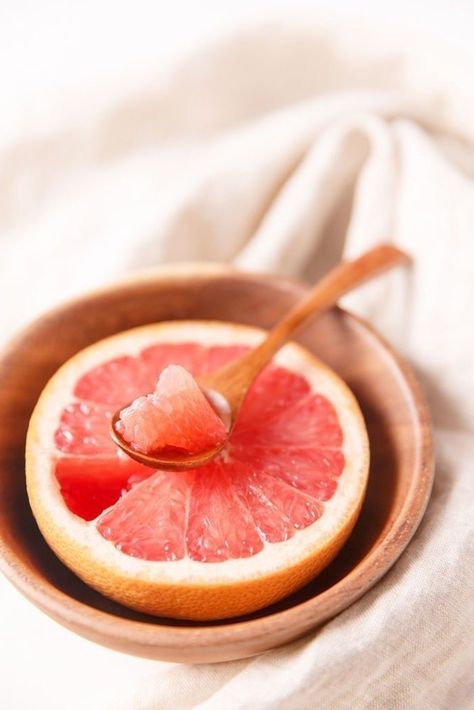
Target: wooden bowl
[(399, 486)]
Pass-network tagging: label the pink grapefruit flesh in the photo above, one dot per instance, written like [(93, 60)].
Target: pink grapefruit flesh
[(176, 416), (281, 465)]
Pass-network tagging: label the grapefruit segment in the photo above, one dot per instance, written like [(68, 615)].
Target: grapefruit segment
[(150, 521), (217, 356), (273, 393), (277, 508), (196, 358), (250, 527), (177, 414), (299, 421), (89, 486), (84, 430), (314, 473), (156, 357), (115, 382), (220, 524)]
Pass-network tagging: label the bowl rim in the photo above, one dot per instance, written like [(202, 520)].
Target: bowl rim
[(113, 629)]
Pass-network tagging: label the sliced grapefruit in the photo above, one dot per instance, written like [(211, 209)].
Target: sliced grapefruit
[(176, 415), (255, 524)]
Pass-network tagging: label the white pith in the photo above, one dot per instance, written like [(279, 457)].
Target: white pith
[(273, 556)]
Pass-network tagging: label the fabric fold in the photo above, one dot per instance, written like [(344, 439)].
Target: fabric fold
[(280, 148)]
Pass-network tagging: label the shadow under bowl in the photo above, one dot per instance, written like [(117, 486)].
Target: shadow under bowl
[(400, 478)]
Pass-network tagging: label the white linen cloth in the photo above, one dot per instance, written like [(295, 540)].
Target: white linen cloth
[(281, 148)]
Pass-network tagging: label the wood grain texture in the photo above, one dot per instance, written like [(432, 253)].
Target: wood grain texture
[(399, 485)]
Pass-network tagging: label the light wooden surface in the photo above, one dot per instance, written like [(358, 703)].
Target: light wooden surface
[(399, 486)]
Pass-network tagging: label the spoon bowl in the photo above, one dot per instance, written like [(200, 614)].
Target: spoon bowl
[(169, 461)]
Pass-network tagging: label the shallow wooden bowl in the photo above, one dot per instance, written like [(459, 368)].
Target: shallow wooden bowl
[(400, 478)]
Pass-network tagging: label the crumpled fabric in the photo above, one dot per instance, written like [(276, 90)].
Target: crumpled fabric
[(280, 148)]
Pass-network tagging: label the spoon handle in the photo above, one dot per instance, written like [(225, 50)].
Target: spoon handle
[(234, 379), (344, 277)]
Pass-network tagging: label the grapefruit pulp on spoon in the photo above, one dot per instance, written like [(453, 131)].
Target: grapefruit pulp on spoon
[(176, 415), (243, 531)]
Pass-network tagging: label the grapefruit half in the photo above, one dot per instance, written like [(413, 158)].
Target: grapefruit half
[(244, 531)]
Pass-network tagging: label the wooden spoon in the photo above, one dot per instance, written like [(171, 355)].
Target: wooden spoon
[(227, 387)]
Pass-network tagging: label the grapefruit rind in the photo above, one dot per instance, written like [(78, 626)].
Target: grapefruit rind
[(187, 588)]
